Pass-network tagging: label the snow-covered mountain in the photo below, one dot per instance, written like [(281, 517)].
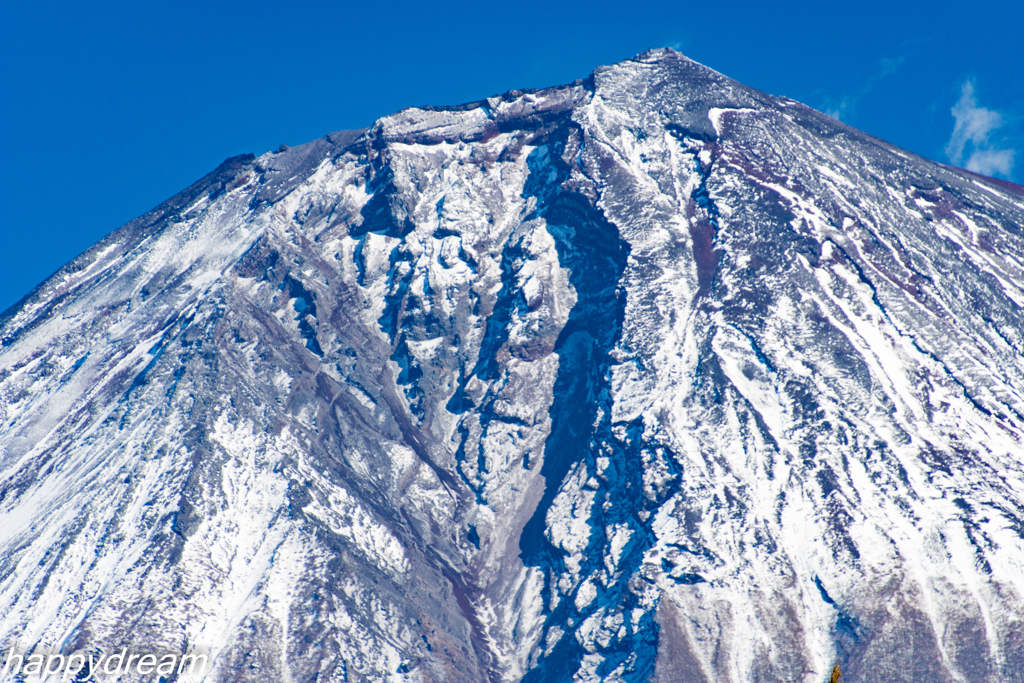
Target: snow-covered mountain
[(650, 377)]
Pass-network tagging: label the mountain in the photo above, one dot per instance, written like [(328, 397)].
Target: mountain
[(651, 377)]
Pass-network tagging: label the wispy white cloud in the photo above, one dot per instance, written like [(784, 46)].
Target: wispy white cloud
[(970, 145), (843, 108), (991, 161), (838, 110), (889, 66)]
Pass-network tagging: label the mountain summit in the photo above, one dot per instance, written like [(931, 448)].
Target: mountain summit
[(652, 377)]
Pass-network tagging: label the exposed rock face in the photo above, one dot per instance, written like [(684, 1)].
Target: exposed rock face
[(652, 377)]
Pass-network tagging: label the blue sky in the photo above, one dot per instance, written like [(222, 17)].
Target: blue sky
[(108, 108)]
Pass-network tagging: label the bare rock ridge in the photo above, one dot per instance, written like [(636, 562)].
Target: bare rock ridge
[(651, 377)]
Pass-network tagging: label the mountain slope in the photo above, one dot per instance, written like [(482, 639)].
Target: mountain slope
[(651, 377)]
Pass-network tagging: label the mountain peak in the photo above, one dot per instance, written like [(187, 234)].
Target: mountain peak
[(650, 377)]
